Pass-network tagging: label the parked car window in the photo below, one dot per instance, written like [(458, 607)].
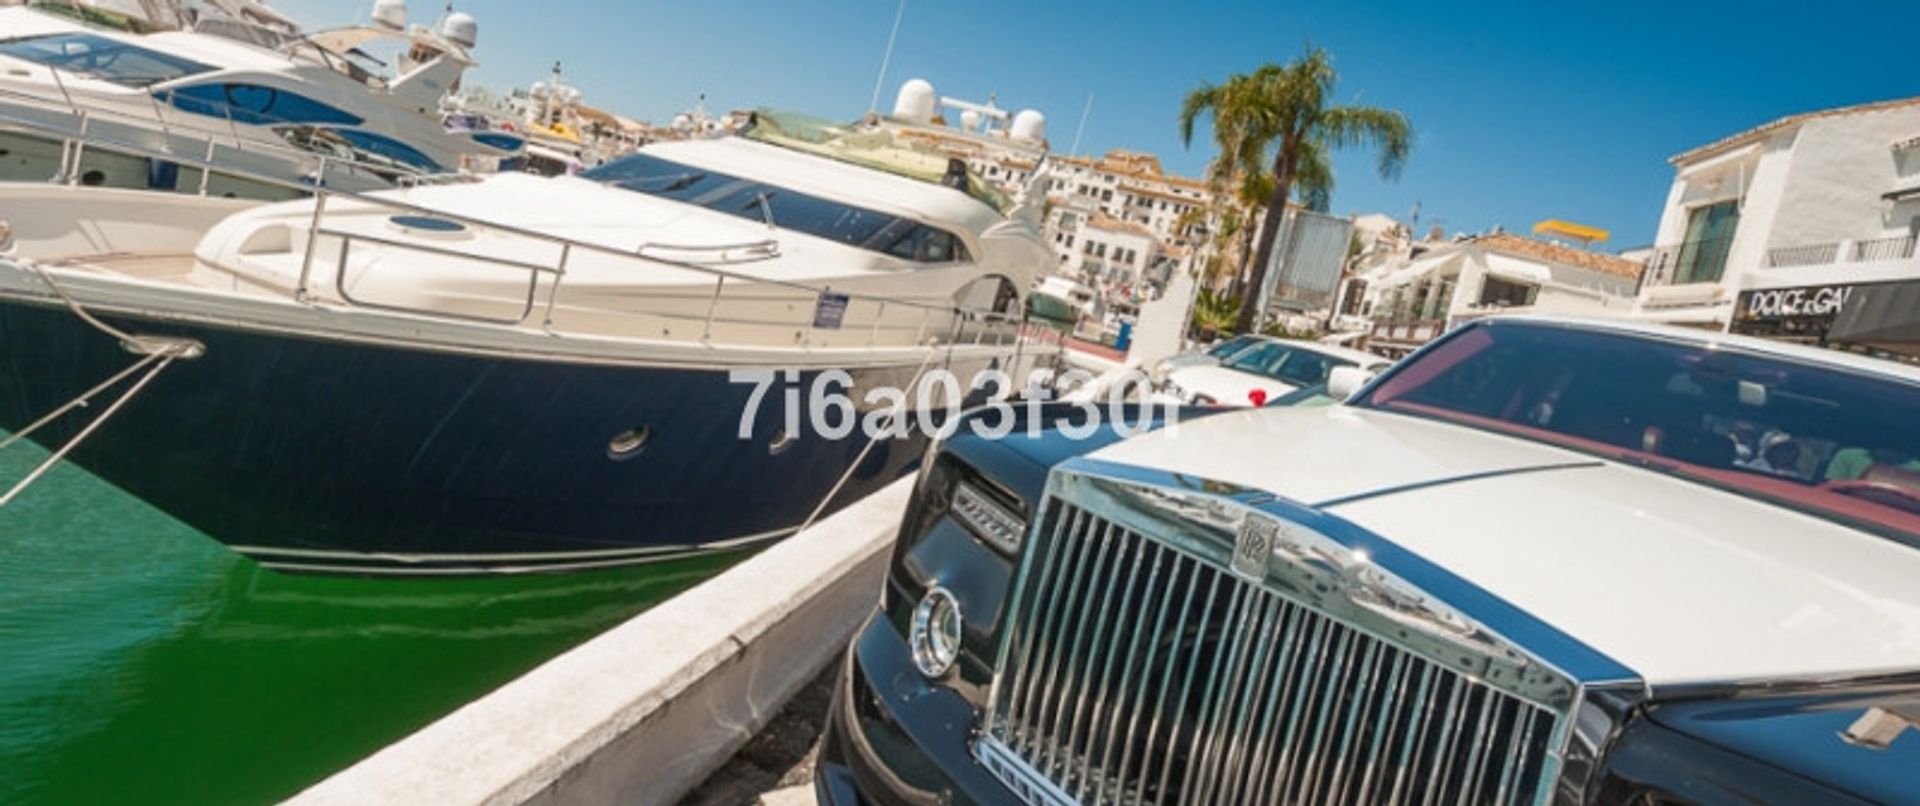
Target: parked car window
[(1285, 362), (1836, 442), (96, 56), (1259, 359), (1306, 368), (1226, 349)]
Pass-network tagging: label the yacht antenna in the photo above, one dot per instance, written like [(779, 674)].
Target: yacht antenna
[(879, 80), (1075, 150)]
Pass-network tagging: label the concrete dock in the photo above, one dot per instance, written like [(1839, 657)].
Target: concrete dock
[(646, 711)]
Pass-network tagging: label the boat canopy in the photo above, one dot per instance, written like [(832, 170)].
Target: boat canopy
[(869, 146)]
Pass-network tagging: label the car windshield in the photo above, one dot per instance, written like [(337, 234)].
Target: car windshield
[(96, 56), (1227, 348), (786, 209), (1286, 362), (1835, 442)]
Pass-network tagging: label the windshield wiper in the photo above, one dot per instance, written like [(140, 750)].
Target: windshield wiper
[(763, 200)]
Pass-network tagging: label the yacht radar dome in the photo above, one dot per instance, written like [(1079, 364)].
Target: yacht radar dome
[(461, 29), (390, 14), (915, 102), (970, 120), (1029, 125)]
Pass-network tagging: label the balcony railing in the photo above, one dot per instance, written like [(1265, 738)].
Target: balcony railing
[(1896, 248), (1813, 255), (1701, 261), (1899, 247), (1410, 331)]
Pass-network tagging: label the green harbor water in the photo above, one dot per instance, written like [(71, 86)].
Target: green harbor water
[(140, 661)]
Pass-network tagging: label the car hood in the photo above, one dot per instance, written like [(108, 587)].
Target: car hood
[(1681, 582), (1228, 386)]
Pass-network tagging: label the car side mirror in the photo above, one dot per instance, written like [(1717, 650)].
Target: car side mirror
[(1342, 382)]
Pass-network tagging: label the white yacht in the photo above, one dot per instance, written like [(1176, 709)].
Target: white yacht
[(242, 96), (517, 373)]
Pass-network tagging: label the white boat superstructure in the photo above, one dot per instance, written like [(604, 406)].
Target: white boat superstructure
[(247, 98), (709, 242)]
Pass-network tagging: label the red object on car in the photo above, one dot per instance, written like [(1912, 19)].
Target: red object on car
[(1258, 396)]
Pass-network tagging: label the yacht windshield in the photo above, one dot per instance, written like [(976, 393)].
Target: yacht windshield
[(1837, 443), (785, 209), (96, 56)]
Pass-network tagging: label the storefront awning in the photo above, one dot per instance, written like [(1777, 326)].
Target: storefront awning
[(1419, 268), (1517, 270), (1880, 314)]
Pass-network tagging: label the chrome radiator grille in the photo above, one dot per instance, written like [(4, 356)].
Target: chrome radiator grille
[(1138, 672)]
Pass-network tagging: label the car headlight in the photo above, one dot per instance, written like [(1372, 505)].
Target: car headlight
[(988, 518), (934, 634)]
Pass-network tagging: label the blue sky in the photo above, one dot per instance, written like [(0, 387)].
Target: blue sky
[(1524, 111)]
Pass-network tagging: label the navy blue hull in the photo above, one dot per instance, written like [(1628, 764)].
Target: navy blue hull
[(324, 456)]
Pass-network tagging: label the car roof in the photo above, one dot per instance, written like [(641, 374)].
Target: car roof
[(1716, 339)]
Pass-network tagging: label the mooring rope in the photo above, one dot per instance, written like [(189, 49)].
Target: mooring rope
[(156, 352), (148, 345), (163, 359), (872, 440)]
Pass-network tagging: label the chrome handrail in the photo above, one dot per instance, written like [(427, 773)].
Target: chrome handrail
[(648, 251)]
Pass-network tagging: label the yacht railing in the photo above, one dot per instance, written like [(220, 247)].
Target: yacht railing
[(172, 129), (454, 178), (961, 324)]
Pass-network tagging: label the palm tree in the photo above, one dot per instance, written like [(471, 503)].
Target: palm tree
[(1287, 111)]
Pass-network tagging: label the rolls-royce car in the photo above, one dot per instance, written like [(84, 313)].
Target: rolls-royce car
[(1539, 561)]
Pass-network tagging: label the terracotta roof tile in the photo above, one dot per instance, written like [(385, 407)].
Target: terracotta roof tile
[(1519, 246), (1135, 165), (1116, 225)]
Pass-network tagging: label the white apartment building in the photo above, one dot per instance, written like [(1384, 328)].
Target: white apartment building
[(1802, 228), (1438, 285), (1111, 253), (1120, 201), (1118, 222)]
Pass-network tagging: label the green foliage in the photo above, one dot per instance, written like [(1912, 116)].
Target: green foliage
[(1283, 116), (1278, 331), (1214, 312)]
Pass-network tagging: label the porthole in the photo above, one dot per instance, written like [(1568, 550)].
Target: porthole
[(629, 443), (430, 226), (780, 443)]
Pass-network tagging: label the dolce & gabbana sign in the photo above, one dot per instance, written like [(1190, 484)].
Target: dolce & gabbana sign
[(1823, 301)]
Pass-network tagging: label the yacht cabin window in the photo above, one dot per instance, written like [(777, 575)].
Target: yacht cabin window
[(255, 105), (786, 209), (95, 56)]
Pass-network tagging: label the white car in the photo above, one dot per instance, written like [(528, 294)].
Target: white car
[(1262, 372), (1539, 562)]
